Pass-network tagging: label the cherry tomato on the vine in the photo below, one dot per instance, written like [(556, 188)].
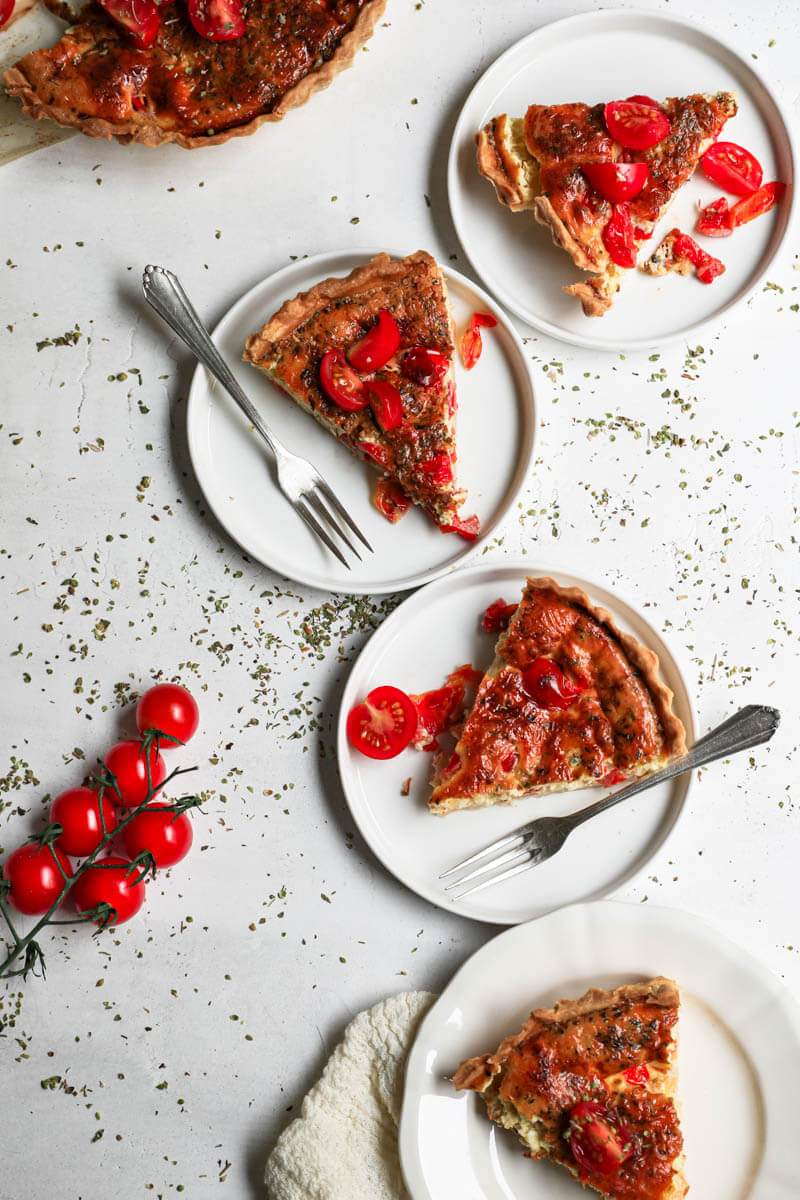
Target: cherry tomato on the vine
[(127, 762), (167, 836), (169, 708), (36, 882), (77, 811), (110, 881)]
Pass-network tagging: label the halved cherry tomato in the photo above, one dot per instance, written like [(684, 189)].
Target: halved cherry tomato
[(77, 811), (217, 20), (391, 500), (437, 710), (139, 18), (386, 403), (111, 881), (497, 616), (439, 469), (646, 100), (706, 266), (636, 1075), (617, 180), (423, 364), (377, 346), (36, 882), (547, 684), (618, 237), (732, 168), (759, 202), (340, 382), (471, 344), (377, 453), (635, 125), (715, 219), (6, 9), (598, 1141), (466, 527), (384, 724)]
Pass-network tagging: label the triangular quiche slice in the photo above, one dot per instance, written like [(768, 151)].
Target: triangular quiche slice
[(399, 416), (540, 163), (591, 1085), (570, 701), (186, 88)]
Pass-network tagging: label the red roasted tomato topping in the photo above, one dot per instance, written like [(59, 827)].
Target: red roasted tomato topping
[(634, 125), (375, 452), (715, 219), (386, 403), (377, 346), (598, 1140), (391, 500), (424, 365), (383, 724), (439, 709), (707, 267), (618, 237), (497, 616), (636, 1075), (139, 18), (217, 20), (340, 382), (617, 181), (471, 344), (466, 527), (547, 684), (439, 468), (732, 168)]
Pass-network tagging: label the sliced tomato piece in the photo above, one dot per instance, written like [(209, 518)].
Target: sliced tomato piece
[(439, 709), (340, 382), (759, 202), (618, 237), (636, 1075), (423, 364), (547, 684), (6, 9), (732, 168), (391, 500), (377, 346), (439, 468), (217, 20), (613, 777), (471, 343), (383, 724), (378, 453), (635, 125), (598, 1140), (617, 180), (466, 527), (386, 403), (707, 267), (139, 18), (715, 219), (497, 616)]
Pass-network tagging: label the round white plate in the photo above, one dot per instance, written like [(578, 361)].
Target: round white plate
[(738, 1055), (603, 55), (496, 425), (433, 632)]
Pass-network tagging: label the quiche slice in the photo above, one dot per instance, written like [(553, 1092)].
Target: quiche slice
[(413, 443), (569, 702), (539, 163), (591, 1085), (185, 88)]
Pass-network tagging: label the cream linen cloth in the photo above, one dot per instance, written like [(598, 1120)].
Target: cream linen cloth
[(343, 1146)]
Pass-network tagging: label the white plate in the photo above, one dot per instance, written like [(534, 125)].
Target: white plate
[(738, 1056), (433, 632), (496, 425), (601, 56)]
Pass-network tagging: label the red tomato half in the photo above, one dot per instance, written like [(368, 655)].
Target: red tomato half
[(424, 365), (391, 500), (340, 382), (636, 126), (139, 18), (732, 168), (110, 881), (127, 762), (759, 202), (217, 20), (169, 708), (648, 101), (377, 346), (544, 680), (77, 811), (36, 882), (383, 724), (6, 9), (617, 180), (386, 403), (599, 1143), (715, 219), (618, 237), (168, 837)]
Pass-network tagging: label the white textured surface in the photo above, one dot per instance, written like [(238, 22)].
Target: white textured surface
[(685, 496)]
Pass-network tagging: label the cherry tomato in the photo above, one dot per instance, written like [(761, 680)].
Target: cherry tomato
[(386, 403), (377, 453), (391, 500), (423, 364), (168, 837), (759, 202), (6, 9), (544, 680), (341, 384), (78, 813), (36, 882), (377, 346), (617, 180), (635, 125), (598, 1141), (439, 469), (715, 219), (618, 237), (169, 708), (139, 18), (732, 168), (471, 344), (127, 762), (636, 1075), (466, 527), (648, 101), (217, 20), (383, 724), (110, 881), (497, 616)]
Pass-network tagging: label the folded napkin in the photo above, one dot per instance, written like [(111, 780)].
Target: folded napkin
[(343, 1146)]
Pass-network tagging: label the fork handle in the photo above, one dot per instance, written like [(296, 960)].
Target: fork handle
[(164, 293), (752, 725)]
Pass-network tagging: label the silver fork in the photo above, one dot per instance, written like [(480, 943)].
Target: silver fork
[(298, 479), (543, 837)]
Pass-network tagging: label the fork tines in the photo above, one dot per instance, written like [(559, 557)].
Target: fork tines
[(511, 852)]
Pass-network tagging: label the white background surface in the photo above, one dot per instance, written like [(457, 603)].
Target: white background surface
[(675, 477)]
